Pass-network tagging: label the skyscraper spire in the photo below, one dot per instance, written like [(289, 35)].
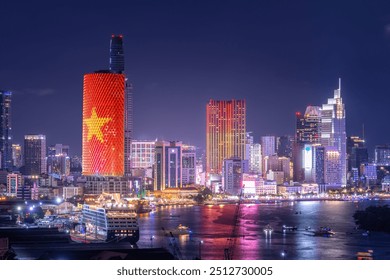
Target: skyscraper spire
[(339, 84)]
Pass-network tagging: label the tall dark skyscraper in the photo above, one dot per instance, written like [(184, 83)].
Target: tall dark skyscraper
[(117, 58), (35, 154), (5, 129), (117, 65)]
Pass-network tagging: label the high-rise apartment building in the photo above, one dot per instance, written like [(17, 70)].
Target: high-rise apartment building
[(103, 124), (168, 165), (225, 132), (333, 133), (5, 130), (34, 154)]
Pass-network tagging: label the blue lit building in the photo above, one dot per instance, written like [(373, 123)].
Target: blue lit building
[(5, 130)]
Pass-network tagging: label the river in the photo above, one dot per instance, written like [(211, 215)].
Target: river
[(211, 227)]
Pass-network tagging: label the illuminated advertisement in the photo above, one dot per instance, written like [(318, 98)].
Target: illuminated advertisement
[(103, 124), (308, 157)]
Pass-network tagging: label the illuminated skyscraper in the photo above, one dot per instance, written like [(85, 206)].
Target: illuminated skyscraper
[(225, 132), (307, 134), (168, 165), (103, 124), (333, 133), (35, 154), (117, 65), (5, 130)]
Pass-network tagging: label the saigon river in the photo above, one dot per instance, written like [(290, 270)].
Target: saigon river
[(211, 226)]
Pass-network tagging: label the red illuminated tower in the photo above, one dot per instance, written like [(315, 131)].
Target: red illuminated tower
[(225, 132), (103, 124)]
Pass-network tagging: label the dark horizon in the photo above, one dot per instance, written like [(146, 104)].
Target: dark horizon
[(279, 57)]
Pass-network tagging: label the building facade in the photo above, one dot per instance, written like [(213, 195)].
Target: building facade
[(333, 133), (232, 174), (188, 165), (225, 132), (35, 154), (168, 165), (5, 130), (17, 159), (103, 124)]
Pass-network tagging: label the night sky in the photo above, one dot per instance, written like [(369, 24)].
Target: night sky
[(278, 55)]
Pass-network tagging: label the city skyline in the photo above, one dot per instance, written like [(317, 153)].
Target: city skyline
[(198, 51)]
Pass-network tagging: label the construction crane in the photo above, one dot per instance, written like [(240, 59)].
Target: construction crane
[(172, 243), (231, 241)]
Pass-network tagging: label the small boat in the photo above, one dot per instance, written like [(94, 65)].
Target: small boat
[(366, 233), (268, 229), (289, 228), (181, 230), (324, 231), (308, 228), (369, 255)]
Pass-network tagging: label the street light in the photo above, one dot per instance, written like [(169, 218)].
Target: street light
[(151, 241), (284, 253), (200, 249)]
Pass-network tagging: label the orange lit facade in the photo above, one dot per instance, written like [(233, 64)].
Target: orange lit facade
[(103, 124), (225, 132)]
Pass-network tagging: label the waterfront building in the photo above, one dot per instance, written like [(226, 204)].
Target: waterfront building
[(252, 184), (268, 188), (188, 165), (232, 174), (35, 154), (107, 184), (333, 133), (332, 167), (17, 159), (103, 124), (5, 130), (225, 132), (168, 165), (277, 176)]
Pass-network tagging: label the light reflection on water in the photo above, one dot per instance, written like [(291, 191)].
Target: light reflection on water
[(213, 226)]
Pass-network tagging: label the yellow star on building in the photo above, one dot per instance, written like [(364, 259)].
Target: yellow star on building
[(95, 124)]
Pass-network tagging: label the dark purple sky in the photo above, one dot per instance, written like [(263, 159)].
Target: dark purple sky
[(278, 55)]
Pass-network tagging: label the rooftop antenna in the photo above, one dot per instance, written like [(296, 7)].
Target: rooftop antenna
[(339, 83)]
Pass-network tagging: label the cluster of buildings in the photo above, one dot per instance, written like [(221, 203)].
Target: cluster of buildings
[(317, 158)]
